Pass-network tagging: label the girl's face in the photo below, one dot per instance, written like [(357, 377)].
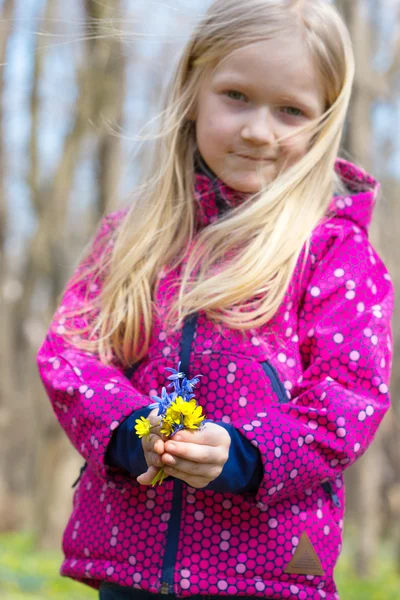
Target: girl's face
[(255, 96)]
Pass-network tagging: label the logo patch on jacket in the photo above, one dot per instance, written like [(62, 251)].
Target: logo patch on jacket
[(305, 560)]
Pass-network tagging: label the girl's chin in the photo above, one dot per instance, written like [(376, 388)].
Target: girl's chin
[(249, 183)]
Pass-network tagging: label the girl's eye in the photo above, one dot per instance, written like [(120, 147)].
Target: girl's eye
[(292, 111), (235, 95)]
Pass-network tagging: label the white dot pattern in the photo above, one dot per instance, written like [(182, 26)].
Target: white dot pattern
[(329, 346)]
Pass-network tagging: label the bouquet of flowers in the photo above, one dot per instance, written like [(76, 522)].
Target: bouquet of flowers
[(177, 410)]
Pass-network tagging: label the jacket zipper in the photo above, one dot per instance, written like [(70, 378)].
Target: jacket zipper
[(280, 391), (171, 547)]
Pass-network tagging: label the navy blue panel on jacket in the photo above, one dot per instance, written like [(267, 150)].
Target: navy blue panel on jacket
[(125, 448), (242, 472)]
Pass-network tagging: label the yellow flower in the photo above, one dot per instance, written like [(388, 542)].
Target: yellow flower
[(167, 426), (173, 414), (142, 427), (181, 407), (182, 414), (193, 420)]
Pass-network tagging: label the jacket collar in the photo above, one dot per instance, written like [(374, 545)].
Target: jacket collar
[(212, 195), (214, 198)]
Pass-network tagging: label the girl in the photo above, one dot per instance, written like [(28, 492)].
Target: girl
[(245, 256)]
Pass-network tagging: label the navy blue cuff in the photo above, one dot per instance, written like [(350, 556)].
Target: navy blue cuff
[(243, 471), (125, 449)]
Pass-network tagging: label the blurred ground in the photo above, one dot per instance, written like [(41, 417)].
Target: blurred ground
[(26, 574)]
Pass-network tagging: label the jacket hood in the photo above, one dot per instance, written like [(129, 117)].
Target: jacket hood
[(214, 197), (358, 205)]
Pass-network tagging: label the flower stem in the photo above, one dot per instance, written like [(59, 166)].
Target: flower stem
[(159, 478)]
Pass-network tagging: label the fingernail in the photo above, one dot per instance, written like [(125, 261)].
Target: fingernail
[(171, 446)]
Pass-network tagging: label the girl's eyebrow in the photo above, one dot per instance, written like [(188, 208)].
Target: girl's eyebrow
[(231, 78)]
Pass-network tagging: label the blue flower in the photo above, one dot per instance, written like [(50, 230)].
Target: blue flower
[(176, 427), (189, 384), (163, 402), (175, 373), (183, 389), (175, 377)]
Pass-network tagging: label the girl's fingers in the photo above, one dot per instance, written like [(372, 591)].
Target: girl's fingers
[(196, 481), (209, 435), (147, 478), (153, 448), (159, 446), (207, 471), (197, 453), (153, 459), (153, 443), (155, 419)]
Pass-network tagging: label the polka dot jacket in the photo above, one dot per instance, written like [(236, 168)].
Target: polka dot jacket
[(309, 390)]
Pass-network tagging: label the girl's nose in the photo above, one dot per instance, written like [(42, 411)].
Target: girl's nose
[(259, 127)]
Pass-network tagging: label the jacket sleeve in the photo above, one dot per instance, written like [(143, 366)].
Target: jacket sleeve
[(345, 342), (243, 471), (125, 449), (90, 399)]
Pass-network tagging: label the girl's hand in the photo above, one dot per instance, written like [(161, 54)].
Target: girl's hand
[(153, 447), (197, 457)]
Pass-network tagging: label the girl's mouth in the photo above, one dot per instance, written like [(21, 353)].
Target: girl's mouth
[(252, 158)]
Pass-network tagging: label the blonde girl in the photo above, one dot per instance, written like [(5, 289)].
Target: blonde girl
[(245, 257)]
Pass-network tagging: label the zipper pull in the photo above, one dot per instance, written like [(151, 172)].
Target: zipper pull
[(164, 588), (336, 500)]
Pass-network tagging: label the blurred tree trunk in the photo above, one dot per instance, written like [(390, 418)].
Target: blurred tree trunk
[(25, 428), (366, 491), (8, 516), (100, 102), (108, 81), (365, 479), (392, 233)]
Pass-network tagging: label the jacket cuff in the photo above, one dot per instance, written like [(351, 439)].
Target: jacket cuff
[(125, 449), (243, 472)]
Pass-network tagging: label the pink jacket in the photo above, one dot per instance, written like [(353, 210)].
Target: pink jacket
[(309, 390)]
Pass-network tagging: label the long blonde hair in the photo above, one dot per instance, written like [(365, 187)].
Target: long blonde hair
[(160, 224)]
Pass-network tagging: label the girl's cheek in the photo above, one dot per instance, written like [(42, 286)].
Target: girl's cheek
[(216, 120), (221, 117), (295, 149)]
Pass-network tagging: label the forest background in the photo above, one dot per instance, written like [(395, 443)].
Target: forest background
[(79, 80)]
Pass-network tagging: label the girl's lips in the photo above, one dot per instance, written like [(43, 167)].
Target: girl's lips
[(256, 159)]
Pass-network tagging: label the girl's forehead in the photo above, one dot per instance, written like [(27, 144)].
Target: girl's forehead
[(290, 54)]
